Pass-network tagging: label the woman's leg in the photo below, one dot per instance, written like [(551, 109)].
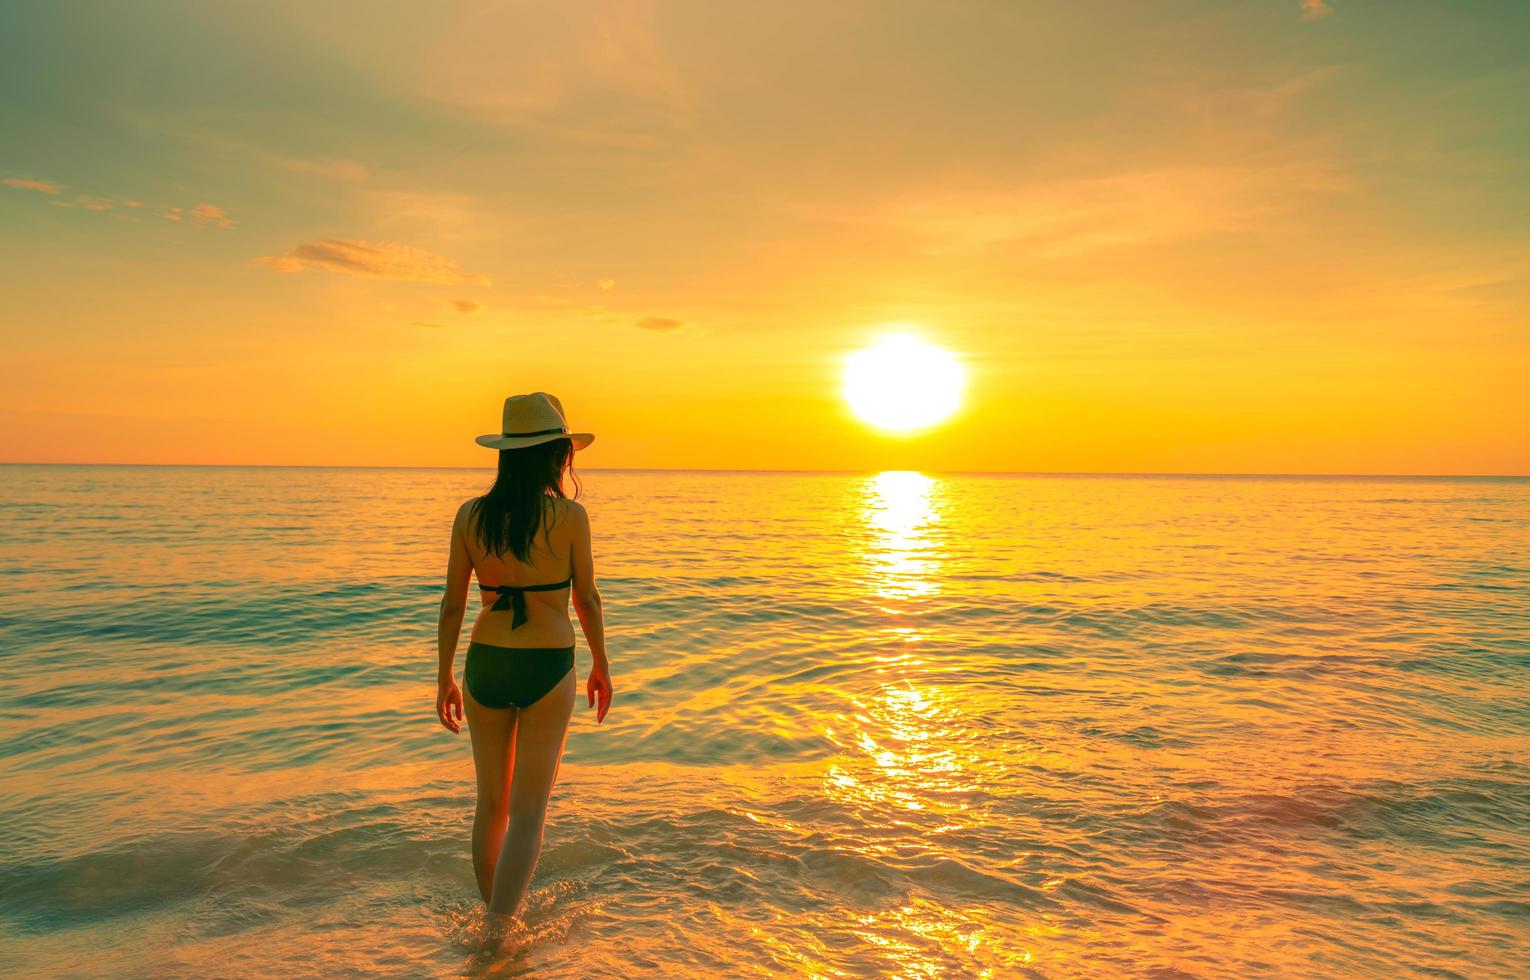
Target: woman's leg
[(540, 732), (493, 734)]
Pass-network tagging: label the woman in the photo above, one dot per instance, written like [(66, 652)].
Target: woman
[(530, 547)]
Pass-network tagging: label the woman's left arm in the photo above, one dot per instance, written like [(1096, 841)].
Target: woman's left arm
[(459, 569)]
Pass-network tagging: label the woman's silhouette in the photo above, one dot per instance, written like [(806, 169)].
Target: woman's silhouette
[(529, 544)]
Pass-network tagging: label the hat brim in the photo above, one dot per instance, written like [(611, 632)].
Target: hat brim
[(495, 440)]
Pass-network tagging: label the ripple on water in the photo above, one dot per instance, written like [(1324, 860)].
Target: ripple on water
[(887, 724)]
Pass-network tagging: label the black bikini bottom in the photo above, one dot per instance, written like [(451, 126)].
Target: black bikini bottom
[(514, 677)]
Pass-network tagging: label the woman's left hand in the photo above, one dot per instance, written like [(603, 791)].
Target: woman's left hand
[(449, 706)]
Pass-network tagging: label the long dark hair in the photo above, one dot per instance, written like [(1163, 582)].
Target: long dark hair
[(511, 512)]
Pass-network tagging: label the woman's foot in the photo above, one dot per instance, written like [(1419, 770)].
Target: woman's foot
[(505, 935)]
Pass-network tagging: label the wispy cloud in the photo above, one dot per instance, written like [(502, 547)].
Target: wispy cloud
[(605, 284), (205, 134), (597, 74), (28, 184), (467, 306), (373, 260), (660, 324), (210, 214), (1315, 9), (348, 171), (1072, 216), (213, 215), (441, 214)]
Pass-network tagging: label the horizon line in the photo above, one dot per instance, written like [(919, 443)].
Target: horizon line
[(851, 472)]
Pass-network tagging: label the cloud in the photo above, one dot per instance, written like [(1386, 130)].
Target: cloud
[(213, 215), (660, 324), (1315, 9), (373, 260), (346, 170), (605, 284), (27, 184), (1078, 215), (205, 213), (595, 74), (444, 215), (467, 306)]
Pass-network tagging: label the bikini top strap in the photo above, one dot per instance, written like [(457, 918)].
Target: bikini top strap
[(548, 587)]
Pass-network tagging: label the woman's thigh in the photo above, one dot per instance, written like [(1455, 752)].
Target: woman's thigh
[(540, 732), (493, 733)]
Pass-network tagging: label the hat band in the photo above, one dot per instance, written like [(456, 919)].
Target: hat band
[(539, 432)]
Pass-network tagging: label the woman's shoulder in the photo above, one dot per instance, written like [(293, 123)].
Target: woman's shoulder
[(465, 512), (570, 507)]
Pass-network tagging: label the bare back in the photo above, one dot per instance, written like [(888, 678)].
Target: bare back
[(547, 622)]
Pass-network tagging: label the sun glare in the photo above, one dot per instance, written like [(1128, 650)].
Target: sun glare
[(903, 384)]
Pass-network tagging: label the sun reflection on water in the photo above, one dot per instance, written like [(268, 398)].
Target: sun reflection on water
[(904, 752), (902, 507), (911, 761), (900, 753)]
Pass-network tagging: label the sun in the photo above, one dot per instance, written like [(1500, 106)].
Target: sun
[(903, 384)]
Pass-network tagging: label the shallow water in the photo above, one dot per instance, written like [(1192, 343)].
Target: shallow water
[(892, 725)]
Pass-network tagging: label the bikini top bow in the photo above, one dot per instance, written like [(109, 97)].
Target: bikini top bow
[(513, 597)]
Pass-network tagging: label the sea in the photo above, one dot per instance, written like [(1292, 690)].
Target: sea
[(897, 724)]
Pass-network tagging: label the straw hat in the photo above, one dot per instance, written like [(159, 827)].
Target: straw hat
[(533, 419)]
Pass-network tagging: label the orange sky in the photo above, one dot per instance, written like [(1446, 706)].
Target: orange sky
[(1221, 236)]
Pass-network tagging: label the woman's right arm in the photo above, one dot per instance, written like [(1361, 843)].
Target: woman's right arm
[(591, 617)]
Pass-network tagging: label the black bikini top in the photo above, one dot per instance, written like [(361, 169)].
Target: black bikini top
[(513, 597)]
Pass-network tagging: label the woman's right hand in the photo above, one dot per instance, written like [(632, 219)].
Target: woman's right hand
[(599, 685)]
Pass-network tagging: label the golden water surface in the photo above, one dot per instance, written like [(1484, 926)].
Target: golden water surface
[(893, 724)]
